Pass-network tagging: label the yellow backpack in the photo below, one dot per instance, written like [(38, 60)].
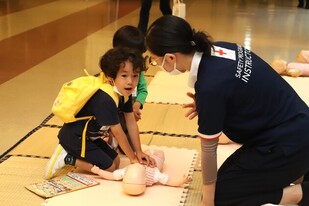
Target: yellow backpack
[(74, 95)]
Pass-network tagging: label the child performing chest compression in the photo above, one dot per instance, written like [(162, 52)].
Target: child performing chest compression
[(122, 67)]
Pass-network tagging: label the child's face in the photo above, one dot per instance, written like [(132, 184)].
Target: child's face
[(126, 79)]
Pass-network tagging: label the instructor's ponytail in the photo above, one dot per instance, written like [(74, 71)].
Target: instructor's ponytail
[(169, 34)]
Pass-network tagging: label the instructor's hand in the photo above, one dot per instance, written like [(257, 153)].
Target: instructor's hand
[(191, 114)]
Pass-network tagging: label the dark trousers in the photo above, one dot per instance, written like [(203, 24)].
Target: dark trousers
[(165, 8), (250, 177), (301, 4)]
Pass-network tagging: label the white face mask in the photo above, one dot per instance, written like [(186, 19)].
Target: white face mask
[(112, 82), (117, 91), (175, 71)]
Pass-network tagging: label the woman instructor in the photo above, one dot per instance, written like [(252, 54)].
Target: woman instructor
[(239, 94)]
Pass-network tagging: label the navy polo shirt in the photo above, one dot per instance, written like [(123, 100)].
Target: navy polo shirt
[(240, 94), (103, 107)]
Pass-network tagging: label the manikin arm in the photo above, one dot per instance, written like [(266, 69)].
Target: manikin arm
[(177, 181), (296, 69), (116, 175), (174, 180)]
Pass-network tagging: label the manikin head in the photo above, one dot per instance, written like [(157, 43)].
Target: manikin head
[(134, 181)]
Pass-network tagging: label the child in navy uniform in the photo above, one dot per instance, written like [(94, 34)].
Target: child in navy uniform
[(122, 66)]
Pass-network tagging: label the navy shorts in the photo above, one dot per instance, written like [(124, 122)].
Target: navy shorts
[(98, 152)]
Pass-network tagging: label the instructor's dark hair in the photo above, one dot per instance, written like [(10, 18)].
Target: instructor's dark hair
[(169, 34)]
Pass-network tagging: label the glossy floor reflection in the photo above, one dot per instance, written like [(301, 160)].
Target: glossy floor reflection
[(46, 43)]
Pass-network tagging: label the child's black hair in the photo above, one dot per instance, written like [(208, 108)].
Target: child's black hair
[(111, 61), (129, 36)]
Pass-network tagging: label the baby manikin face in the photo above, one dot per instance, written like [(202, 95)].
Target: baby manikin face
[(134, 181)]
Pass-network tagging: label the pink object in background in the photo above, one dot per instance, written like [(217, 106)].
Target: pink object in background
[(301, 69), (303, 56)]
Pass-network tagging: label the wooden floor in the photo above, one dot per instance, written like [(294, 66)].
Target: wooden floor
[(44, 43)]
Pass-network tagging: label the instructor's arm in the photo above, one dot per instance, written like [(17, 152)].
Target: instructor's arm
[(209, 170)]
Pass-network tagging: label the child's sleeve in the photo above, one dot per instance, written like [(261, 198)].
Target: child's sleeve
[(141, 90)]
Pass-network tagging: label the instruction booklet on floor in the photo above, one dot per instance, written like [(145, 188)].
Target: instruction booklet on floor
[(61, 185)]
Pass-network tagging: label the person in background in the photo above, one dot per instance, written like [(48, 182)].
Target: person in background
[(165, 8), (237, 93), (301, 4)]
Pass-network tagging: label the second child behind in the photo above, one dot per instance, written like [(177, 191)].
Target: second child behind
[(131, 37)]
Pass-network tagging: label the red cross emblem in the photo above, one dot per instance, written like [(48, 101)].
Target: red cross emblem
[(221, 52)]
